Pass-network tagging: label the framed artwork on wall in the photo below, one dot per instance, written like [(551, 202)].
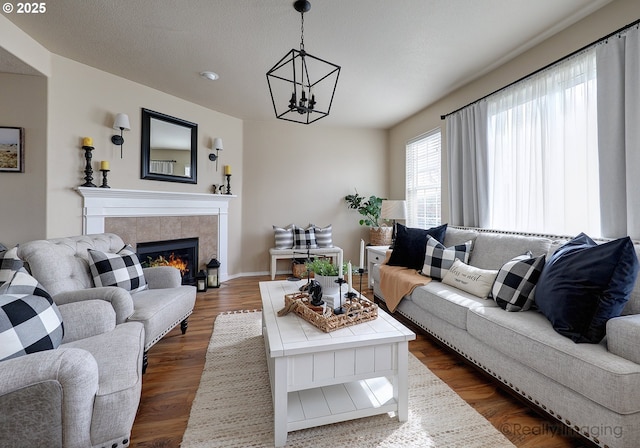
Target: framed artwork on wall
[(11, 149)]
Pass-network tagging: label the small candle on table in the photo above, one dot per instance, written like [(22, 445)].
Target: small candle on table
[(87, 141), (349, 276), (227, 170), (361, 254), (104, 165), (340, 273)]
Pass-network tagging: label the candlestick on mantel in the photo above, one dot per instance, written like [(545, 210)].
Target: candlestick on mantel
[(228, 176), (104, 178), (104, 165), (87, 141), (227, 170), (88, 171)]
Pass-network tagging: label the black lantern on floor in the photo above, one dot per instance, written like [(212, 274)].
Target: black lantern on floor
[(201, 281), (213, 270)]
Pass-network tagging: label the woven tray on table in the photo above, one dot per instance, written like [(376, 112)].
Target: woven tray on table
[(356, 311)]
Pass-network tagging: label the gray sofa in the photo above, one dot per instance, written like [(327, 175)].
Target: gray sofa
[(61, 265), (591, 388), (83, 394)]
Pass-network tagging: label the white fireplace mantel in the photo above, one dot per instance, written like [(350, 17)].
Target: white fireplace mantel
[(101, 203)]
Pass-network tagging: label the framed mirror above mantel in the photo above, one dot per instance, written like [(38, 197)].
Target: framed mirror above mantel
[(169, 148)]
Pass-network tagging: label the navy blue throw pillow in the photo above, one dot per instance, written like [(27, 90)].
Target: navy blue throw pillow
[(585, 284), (411, 243)]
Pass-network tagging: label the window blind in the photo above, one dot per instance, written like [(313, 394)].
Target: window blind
[(423, 185)]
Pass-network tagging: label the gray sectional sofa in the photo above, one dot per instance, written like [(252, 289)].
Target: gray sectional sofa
[(591, 388)]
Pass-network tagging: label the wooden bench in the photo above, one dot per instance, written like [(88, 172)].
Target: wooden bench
[(279, 254)]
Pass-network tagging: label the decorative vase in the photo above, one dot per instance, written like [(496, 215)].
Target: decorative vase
[(380, 236), (328, 283)]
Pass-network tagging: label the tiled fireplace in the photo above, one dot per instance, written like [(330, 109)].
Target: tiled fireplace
[(148, 216)]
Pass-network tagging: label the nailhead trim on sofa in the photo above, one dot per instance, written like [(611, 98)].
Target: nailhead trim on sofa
[(525, 395)]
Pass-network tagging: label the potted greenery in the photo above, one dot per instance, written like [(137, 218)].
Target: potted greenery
[(326, 273), (371, 209)]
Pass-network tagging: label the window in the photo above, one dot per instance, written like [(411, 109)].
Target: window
[(543, 152), (423, 193)]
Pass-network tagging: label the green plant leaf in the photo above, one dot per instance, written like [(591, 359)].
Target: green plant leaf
[(322, 266), (370, 209)]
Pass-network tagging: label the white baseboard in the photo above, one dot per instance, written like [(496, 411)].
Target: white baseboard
[(256, 274)]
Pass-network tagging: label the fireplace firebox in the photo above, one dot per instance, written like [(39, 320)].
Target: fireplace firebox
[(180, 253)]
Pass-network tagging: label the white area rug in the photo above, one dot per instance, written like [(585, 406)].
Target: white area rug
[(233, 406)]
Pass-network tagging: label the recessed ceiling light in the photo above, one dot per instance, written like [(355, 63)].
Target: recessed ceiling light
[(210, 75)]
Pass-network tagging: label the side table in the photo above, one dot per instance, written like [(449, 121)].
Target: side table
[(375, 255)]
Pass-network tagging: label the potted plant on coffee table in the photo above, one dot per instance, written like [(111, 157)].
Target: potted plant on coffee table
[(326, 273), (371, 209)]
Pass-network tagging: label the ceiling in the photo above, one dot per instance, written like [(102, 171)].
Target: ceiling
[(397, 56)]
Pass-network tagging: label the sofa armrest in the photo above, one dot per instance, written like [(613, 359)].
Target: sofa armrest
[(86, 318), (162, 277), (623, 334), (119, 298), (51, 385)]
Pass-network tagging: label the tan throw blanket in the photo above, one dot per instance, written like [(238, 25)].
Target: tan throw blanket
[(397, 282)]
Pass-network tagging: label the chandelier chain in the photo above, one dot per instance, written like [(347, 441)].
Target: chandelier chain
[(302, 31)]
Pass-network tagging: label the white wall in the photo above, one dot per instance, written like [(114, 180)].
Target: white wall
[(300, 174), (83, 102), (23, 203)]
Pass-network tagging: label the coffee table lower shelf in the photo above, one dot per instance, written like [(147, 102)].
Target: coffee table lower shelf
[(339, 402)]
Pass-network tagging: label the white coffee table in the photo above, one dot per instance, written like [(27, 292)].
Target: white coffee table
[(319, 378)]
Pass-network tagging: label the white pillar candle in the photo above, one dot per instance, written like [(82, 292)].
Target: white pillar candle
[(349, 276), (361, 254), (340, 273)]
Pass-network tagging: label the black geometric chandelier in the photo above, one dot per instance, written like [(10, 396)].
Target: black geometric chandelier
[(302, 86)]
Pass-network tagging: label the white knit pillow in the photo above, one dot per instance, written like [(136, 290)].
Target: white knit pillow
[(473, 280)]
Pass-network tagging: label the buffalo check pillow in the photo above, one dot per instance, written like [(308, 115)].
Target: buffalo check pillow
[(438, 259), (515, 284), (121, 269), (29, 319), (9, 264), (304, 238)]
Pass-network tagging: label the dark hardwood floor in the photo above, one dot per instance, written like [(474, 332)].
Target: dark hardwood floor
[(176, 363)]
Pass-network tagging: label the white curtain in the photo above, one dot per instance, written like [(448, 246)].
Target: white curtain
[(619, 133), (467, 157), (542, 151)]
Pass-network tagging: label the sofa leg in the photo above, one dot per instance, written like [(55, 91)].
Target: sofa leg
[(145, 361), (183, 325)]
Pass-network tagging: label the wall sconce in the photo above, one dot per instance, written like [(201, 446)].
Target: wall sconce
[(121, 122), (217, 145)]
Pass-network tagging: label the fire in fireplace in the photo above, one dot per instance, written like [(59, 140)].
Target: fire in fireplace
[(181, 254)]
